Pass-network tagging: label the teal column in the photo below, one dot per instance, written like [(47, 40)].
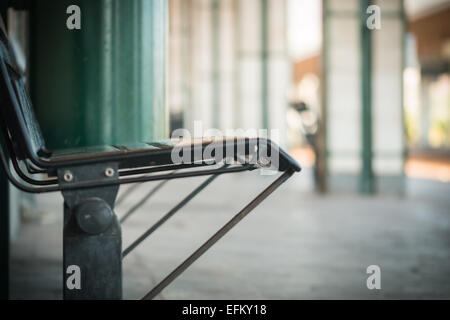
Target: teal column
[(367, 179), (105, 83), (4, 216), (4, 236)]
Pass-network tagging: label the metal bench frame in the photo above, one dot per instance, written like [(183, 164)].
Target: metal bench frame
[(89, 183)]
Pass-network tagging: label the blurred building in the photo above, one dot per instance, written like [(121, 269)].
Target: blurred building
[(427, 76), (228, 64), (379, 94), (363, 101)]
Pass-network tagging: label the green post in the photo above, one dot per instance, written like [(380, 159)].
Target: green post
[(367, 179), (4, 236), (4, 217), (102, 84)]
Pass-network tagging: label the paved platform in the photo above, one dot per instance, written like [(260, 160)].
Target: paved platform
[(296, 245)]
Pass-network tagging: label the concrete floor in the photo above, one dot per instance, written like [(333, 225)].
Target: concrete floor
[(296, 245)]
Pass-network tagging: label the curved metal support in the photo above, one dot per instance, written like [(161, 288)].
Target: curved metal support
[(24, 177), (20, 185), (16, 165), (33, 169)]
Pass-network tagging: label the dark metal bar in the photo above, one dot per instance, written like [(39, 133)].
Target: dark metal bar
[(167, 216), (24, 177), (144, 200), (131, 189), (13, 158), (33, 169), (217, 236), (131, 172), (127, 192)]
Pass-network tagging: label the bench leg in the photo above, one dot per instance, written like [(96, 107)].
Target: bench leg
[(92, 239)]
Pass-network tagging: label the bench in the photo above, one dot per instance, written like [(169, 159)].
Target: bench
[(89, 179)]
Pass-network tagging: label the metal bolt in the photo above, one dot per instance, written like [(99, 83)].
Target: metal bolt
[(109, 172), (68, 176), (93, 215)]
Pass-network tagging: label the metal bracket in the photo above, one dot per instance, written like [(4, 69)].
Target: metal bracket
[(92, 249)]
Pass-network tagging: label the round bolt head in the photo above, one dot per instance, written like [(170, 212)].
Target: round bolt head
[(93, 216), (109, 172), (68, 176)]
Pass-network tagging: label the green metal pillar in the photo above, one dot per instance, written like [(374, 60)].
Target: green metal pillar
[(4, 236), (102, 84), (4, 216), (367, 179)]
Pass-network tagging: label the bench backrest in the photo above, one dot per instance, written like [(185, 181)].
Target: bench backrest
[(15, 103)]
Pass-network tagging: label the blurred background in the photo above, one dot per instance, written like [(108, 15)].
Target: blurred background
[(365, 111)]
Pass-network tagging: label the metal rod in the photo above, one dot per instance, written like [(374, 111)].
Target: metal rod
[(33, 169), (16, 166), (143, 200), (169, 215), (131, 189), (217, 236), (131, 172), (127, 192)]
